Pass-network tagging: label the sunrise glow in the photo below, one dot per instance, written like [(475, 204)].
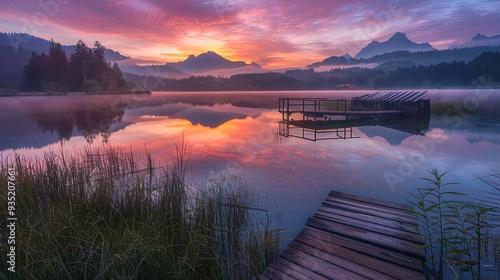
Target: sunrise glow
[(275, 34)]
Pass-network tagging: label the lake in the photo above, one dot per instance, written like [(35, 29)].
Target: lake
[(236, 133)]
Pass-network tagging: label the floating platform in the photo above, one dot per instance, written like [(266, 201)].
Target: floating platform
[(378, 104), (354, 237), (321, 118)]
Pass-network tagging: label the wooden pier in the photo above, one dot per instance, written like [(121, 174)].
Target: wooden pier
[(378, 104), (353, 237), (322, 118)]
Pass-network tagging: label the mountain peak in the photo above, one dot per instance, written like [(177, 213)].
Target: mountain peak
[(347, 56), (479, 37), (210, 53), (255, 64), (207, 61), (480, 40), (190, 57), (397, 42), (398, 36)]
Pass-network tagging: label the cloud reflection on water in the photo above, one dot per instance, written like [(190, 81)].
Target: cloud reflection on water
[(296, 174)]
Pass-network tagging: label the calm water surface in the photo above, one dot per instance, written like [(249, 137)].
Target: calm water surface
[(235, 133)]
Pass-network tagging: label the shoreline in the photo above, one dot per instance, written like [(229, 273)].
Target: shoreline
[(75, 93), (53, 93)]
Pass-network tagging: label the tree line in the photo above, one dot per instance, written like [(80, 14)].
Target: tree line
[(11, 67), (484, 68), (85, 70)]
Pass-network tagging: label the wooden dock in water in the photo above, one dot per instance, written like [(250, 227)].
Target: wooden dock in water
[(378, 104), (327, 119), (353, 237)]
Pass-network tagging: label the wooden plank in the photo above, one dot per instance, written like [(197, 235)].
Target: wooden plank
[(408, 236), (353, 237), (360, 259), (298, 271), (397, 98), (414, 99), (366, 249), (375, 96), (370, 218), (384, 241), (394, 93), (415, 95), (371, 96), (423, 93), (412, 96), (370, 211), (349, 112), (274, 274), (403, 96), (379, 209), (376, 207), (365, 97), (320, 266), (360, 97), (387, 97), (358, 210), (333, 259), (370, 200)]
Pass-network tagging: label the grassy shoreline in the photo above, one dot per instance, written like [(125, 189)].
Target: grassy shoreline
[(102, 213)]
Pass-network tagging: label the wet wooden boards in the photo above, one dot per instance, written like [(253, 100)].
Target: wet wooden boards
[(353, 237)]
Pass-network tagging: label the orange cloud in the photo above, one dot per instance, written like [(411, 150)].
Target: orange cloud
[(281, 33)]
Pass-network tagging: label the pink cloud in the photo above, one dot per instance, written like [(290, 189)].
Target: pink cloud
[(293, 32)]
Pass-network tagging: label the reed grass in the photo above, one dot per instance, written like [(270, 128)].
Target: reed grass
[(458, 233), (105, 213)]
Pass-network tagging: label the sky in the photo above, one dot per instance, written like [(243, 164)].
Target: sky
[(273, 33)]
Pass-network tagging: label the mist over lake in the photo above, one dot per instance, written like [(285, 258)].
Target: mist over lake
[(235, 133)]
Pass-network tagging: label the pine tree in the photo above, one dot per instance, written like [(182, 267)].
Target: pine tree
[(36, 72), (98, 63), (118, 75), (78, 64), (58, 64)]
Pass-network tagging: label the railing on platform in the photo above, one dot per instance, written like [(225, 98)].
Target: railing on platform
[(312, 106), (334, 118), (405, 104)]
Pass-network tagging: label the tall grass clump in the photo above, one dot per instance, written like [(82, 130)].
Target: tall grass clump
[(105, 213), (458, 233)]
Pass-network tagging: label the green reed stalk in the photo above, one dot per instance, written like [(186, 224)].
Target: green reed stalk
[(102, 213), (455, 231)]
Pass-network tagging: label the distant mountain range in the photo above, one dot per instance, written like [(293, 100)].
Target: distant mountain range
[(480, 40), (163, 71), (399, 51), (398, 42), (206, 62), (209, 63)]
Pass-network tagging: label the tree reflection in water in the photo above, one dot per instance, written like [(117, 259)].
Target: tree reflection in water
[(87, 117)]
